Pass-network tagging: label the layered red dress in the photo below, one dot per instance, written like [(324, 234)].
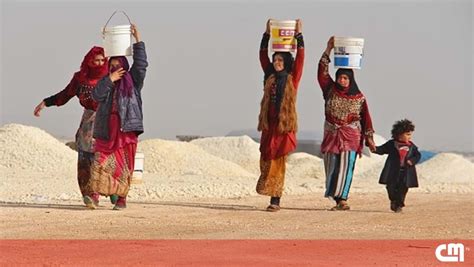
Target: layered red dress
[(116, 157), (81, 86), (274, 145)]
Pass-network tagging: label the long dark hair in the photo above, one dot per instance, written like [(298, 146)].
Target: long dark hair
[(287, 60), (280, 76)]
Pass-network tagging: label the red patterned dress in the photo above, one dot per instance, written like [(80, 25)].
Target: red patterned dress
[(81, 86), (347, 124)]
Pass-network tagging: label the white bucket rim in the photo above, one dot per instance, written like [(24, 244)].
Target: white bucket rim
[(287, 23), (348, 38), (348, 41), (127, 28)]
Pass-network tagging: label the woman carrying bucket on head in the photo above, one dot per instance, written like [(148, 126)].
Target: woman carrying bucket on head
[(278, 118), (93, 68), (119, 121), (347, 124)]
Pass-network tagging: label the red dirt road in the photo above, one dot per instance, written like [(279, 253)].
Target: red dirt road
[(238, 232), (227, 252)]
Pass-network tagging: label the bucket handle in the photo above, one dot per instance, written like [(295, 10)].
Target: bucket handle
[(123, 12)]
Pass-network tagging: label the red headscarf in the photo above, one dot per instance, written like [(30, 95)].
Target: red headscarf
[(90, 74)]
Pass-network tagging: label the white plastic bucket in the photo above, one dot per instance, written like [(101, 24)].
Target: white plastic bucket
[(282, 34), (117, 40), (138, 169), (348, 52)]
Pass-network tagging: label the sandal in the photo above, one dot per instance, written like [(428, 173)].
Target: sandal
[(341, 206), (273, 208), (90, 203), (119, 207), (120, 204), (395, 207)]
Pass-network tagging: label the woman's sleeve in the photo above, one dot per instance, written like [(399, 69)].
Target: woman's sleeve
[(102, 89), (64, 96), (324, 79), (366, 120), (264, 59), (140, 63), (299, 60)]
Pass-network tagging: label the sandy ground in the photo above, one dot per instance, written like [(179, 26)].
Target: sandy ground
[(427, 216)]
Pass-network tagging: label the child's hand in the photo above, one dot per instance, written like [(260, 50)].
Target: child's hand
[(409, 162)]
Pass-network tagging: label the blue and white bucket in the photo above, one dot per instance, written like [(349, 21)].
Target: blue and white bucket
[(348, 52)]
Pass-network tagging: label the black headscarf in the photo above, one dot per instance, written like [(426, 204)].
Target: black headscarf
[(280, 76), (353, 88)]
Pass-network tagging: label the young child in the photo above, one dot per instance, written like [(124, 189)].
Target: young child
[(399, 172)]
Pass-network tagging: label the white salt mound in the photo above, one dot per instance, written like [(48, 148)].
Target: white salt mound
[(173, 158), (241, 150), (369, 167), (304, 165), (26, 147), (41, 169), (447, 167)]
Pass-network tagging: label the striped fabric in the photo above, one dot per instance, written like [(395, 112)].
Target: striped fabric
[(339, 170)]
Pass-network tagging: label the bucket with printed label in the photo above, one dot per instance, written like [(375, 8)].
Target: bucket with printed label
[(348, 52), (282, 33)]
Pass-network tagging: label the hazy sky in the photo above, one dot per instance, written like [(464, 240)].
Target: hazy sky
[(204, 76)]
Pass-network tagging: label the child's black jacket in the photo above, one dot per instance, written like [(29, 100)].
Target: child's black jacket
[(391, 168)]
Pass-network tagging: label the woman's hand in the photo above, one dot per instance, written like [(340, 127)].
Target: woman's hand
[(299, 26), (135, 32), (39, 108), (330, 45), (117, 75), (409, 162), (267, 29), (371, 144)]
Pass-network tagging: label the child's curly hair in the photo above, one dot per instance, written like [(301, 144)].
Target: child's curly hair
[(402, 126)]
